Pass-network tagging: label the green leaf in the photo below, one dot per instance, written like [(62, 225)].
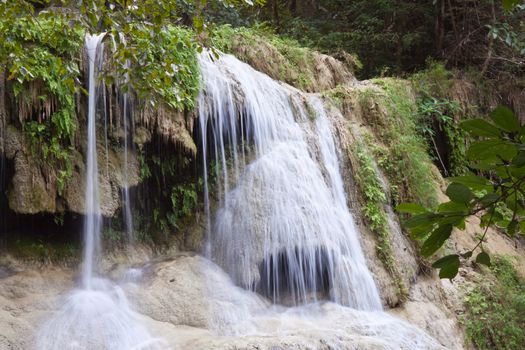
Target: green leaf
[(453, 207), (511, 228), (480, 127), (519, 160), (420, 220), (459, 193), (450, 270), (510, 4), (444, 261), (522, 226), (436, 240), (489, 198), (411, 208), (473, 182), (467, 254), (505, 119), (483, 258), (490, 150), (421, 231)]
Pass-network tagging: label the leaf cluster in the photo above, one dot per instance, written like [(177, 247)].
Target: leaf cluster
[(497, 181)]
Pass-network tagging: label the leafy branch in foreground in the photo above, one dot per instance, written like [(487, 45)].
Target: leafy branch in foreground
[(494, 191)]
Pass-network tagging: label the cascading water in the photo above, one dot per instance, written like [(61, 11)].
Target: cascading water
[(285, 229), (98, 315), (92, 223), (127, 116), (128, 219)]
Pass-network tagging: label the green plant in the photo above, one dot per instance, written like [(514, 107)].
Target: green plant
[(495, 316), (437, 115), (373, 210), (166, 66), (43, 68), (112, 236), (392, 114), (499, 159)]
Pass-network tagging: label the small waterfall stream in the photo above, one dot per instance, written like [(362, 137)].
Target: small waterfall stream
[(92, 223)]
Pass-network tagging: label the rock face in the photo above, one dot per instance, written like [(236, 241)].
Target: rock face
[(33, 188), (192, 304)]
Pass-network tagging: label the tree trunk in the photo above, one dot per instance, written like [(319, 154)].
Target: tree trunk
[(3, 110), (439, 28)]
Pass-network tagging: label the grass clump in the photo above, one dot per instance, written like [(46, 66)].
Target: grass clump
[(495, 316)]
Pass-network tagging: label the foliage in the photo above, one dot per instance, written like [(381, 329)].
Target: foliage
[(386, 35), (436, 115), (166, 64), (150, 53), (499, 158), (496, 309), (183, 202), (405, 161), (177, 196), (43, 68)]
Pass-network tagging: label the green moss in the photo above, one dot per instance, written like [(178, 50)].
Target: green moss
[(337, 95), (294, 63), (29, 249), (495, 316), (374, 212), (407, 164)]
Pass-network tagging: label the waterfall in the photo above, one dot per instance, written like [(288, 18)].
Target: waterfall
[(285, 229), (127, 113), (92, 223), (97, 316)]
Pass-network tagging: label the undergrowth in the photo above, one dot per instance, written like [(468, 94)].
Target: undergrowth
[(438, 117), (495, 316), (374, 212), (405, 161)]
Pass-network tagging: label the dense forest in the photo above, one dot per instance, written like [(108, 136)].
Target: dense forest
[(365, 155)]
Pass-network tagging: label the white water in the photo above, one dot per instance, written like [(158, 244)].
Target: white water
[(92, 223), (287, 216), (127, 113), (285, 229), (97, 316)]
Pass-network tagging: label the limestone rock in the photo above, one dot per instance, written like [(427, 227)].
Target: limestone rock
[(30, 191)]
